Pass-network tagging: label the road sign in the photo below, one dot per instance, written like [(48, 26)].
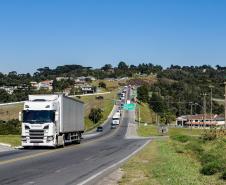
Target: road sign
[(130, 106)]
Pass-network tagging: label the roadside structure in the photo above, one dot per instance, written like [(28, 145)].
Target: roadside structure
[(200, 120)]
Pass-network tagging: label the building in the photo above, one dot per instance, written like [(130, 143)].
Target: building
[(34, 85), (84, 79), (47, 84), (200, 120), (88, 89), (9, 89), (63, 78)]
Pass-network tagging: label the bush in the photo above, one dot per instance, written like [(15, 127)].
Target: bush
[(207, 158), (95, 115), (10, 127), (224, 175), (181, 138), (209, 135), (102, 85), (195, 147), (211, 168)]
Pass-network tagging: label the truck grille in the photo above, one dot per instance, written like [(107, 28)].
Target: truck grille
[(36, 136)]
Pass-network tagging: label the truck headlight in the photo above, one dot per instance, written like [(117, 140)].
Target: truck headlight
[(23, 138), (50, 138)]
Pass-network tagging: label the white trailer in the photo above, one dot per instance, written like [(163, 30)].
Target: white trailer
[(51, 120)]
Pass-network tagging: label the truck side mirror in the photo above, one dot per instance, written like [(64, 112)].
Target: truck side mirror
[(56, 116), (20, 116)]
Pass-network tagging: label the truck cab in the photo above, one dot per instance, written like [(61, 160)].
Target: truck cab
[(51, 121), (39, 118), (116, 119)]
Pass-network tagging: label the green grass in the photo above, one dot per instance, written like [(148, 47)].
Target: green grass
[(182, 159), (106, 105), (151, 130), (159, 163), (146, 114), (13, 140)]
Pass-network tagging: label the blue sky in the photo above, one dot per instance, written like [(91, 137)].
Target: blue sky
[(39, 33)]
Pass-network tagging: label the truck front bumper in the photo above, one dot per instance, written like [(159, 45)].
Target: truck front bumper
[(47, 144)]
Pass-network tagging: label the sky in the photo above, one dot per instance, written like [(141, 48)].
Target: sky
[(39, 33)]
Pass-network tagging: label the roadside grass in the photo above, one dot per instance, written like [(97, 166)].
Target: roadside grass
[(8, 112), (152, 130), (185, 158), (147, 131), (13, 140), (110, 85), (146, 114), (159, 163), (106, 105)]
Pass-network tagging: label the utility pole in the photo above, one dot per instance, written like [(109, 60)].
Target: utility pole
[(191, 114), (139, 115), (204, 108), (211, 102), (225, 105), (179, 108)]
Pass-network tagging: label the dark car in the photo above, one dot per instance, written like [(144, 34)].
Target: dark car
[(113, 126), (99, 129)]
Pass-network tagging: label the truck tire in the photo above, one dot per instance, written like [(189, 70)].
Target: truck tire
[(79, 139)]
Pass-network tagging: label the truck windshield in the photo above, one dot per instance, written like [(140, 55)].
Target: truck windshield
[(115, 118), (34, 116)]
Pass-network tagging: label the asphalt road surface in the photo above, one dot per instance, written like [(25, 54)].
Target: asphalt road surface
[(74, 164)]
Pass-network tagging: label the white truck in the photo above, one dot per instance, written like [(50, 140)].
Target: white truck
[(51, 120), (116, 119)]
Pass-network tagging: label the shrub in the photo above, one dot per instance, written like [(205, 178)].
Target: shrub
[(209, 135), (102, 85), (224, 175), (10, 127), (207, 158), (95, 115), (195, 147), (211, 168), (181, 138)]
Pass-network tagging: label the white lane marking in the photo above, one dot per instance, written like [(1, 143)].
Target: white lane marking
[(31, 182), (114, 165)]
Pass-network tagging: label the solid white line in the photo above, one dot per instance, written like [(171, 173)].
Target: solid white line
[(114, 165)]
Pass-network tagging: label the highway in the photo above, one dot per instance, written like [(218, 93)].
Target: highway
[(74, 164)]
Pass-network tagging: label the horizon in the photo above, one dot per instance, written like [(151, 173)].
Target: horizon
[(36, 34)]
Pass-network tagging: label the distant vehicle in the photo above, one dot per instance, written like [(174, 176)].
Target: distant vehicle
[(119, 111), (122, 98), (122, 104), (128, 102), (99, 129), (116, 119), (51, 120), (113, 126)]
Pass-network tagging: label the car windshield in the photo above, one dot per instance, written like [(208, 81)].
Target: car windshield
[(34, 116), (115, 118)]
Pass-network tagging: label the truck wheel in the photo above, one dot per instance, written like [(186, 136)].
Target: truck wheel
[(63, 144), (79, 139)]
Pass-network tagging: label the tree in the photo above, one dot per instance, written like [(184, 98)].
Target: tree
[(102, 85), (122, 65), (95, 115), (143, 93), (157, 104), (106, 67)]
